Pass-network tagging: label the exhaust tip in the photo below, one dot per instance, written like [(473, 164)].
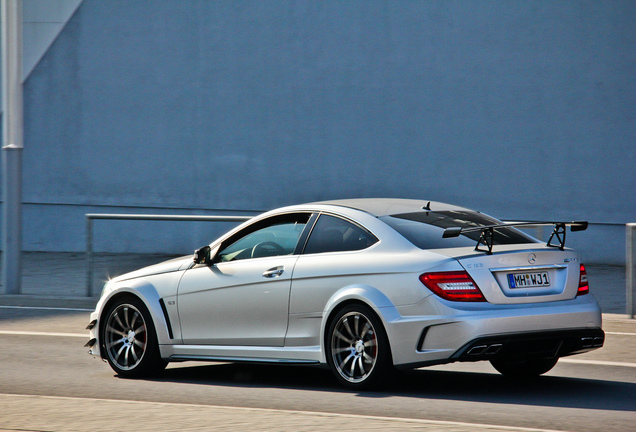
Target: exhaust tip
[(477, 350)]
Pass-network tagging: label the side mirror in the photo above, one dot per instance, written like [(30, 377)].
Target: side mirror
[(202, 256)]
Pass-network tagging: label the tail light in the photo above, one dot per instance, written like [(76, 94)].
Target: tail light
[(584, 288), (455, 286)]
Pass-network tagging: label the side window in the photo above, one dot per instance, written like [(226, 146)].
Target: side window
[(272, 237), (332, 234)]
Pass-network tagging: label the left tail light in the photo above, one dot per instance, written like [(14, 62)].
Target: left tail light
[(584, 287), (454, 286)]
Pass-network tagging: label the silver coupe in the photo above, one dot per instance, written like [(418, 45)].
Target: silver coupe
[(361, 286)]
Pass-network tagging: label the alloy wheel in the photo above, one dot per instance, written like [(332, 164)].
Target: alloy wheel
[(126, 337), (354, 347)]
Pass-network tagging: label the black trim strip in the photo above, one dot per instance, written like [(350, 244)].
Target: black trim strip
[(165, 315)]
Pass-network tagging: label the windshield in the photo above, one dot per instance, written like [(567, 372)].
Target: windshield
[(425, 229)]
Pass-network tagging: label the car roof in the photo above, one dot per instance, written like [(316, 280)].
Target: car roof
[(391, 206)]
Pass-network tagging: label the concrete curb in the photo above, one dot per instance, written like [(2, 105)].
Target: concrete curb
[(25, 300)]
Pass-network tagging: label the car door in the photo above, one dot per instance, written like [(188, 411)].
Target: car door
[(242, 297)]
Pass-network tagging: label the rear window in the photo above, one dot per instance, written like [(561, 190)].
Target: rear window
[(332, 234), (425, 229)]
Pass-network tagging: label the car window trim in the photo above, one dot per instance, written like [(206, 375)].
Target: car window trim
[(257, 225), (344, 218)]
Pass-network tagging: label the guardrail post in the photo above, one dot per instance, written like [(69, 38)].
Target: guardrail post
[(629, 268), (89, 256)]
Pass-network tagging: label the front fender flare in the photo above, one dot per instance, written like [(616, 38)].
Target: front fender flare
[(148, 294)]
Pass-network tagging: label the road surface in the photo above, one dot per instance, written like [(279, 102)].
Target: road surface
[(49, 383)]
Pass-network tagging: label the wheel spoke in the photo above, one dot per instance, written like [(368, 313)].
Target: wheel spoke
[(140, 330), (119, 353), (115, 331), (356, 322), (344, 362), (340, 336), (126, 317), (121, 324), (345, 324), (361, 367), (353, 368), (365, 329), (370, 343), (134, 319), (134, 353), (126, 361), (368, 358), (113, 343)]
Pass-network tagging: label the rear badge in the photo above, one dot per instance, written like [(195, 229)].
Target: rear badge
[(532, 258)]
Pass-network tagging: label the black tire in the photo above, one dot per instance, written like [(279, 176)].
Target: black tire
[(357, 348), (524, 368), (129, 340)]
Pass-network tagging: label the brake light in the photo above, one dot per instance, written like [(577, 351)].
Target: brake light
[(584, 288), (455, 286)]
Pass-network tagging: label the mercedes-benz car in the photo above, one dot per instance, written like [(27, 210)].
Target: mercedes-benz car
[(361, 286)]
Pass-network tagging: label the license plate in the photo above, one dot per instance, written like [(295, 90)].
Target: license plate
[(528, 280)]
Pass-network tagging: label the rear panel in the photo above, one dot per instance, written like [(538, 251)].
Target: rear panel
[(525, 276)]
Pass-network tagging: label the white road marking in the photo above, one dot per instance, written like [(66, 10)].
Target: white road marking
[(30, 333), (47, 308), (620, 334), (597, 362), (128, 403)]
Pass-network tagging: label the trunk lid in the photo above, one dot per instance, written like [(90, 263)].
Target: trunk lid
[(518, 274)]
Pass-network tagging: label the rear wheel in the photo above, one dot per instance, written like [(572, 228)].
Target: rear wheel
[(524, 368), (129, 339), (357, 347)]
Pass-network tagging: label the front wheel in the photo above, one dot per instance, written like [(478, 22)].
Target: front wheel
[(358, 350), (524, 368), (129, 339)]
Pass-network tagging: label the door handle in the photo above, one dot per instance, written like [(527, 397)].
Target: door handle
[(274, 272)]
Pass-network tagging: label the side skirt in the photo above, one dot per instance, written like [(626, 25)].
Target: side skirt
[(295, 355)]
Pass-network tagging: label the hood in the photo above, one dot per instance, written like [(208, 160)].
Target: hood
[(172, 265)]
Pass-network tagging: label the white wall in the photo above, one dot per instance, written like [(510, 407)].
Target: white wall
[(524, 110)]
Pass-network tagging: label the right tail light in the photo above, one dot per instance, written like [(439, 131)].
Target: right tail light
[(584, 288)]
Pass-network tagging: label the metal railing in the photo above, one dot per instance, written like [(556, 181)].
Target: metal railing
[(90, 217), (629, 270), (629, 245)]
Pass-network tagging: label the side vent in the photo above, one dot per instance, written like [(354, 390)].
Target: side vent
[(165, 315)]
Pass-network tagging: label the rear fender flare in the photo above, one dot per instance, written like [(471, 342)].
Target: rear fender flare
[(365, 294)]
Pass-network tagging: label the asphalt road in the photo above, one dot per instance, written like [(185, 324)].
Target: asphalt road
[(49, 383)]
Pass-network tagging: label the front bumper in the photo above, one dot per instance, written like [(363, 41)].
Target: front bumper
[(93, 342)]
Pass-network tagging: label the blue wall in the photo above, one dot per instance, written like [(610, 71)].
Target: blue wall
[(523, 110)]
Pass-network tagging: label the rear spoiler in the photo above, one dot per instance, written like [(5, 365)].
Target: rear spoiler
[(486, 232)]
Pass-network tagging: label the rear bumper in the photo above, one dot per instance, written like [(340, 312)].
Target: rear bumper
[(485, 332), (532, 345)]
